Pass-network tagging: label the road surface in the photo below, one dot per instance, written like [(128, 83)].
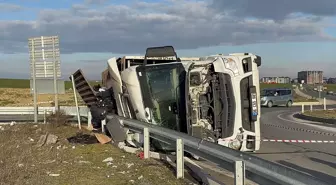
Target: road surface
[(310, 91), (316, 159)]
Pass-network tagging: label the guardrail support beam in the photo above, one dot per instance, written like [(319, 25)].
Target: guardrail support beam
[(179, 159), (302, 108), (239, 174), (89, 117), (103, 126), (45, 116), (146, 143), (325, 103), (311, 108)]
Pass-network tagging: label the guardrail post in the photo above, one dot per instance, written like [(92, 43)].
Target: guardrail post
[(44, 116), (103, 126), (239, 174), (311, 108), (179, 159), (146, 143), (302, 108), (89, 117), (325, 103)]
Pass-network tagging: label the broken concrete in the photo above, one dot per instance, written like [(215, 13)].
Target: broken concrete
[(47, 139)]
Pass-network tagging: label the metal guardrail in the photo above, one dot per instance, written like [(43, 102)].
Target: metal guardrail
[(70, 110), (256, 169), (26, 114)]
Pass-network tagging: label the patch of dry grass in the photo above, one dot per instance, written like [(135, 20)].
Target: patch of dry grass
[(330, 114), (22, 162), (298, 98), (23, 97)]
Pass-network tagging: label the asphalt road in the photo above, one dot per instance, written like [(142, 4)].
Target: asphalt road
[(309, 91), (316, 159)]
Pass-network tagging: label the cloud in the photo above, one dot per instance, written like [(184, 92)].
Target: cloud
[(131, 29), (95, 1), (7, 7), (276, 10)]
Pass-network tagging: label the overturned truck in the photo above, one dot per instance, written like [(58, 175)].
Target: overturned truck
[(215, 98)]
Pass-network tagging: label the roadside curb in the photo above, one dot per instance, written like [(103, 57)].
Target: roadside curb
[(315, 119)]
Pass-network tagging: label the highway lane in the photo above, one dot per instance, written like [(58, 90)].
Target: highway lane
[(309, 91), (316, 159)]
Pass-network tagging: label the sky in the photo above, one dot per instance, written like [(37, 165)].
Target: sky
[(289, 35)]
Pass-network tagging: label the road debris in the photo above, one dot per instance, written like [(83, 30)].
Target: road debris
[(47, 139), (84, 162), (109, 159), (129, 165), (12, 123), (54, 175)]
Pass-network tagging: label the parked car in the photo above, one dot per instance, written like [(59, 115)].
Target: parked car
[(330, 93), (276, 96)]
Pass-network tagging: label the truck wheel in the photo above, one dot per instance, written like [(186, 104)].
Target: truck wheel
[(270, 104)]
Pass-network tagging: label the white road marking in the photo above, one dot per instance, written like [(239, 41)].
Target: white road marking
[(329, 129)]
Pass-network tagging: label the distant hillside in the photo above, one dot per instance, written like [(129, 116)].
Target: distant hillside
[(24, 83)]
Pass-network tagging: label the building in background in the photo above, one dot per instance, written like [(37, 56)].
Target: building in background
[(331, 81), (325, 80), (268, 80), (283, 80), (273, 80), (310, 77), (295, 81)]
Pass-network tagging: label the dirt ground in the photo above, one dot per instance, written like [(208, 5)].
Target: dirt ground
[(22, 97), (22, 161)]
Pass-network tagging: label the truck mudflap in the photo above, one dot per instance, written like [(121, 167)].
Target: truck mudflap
[(84, 89)]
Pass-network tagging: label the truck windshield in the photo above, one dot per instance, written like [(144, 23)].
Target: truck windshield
[(163, 83)]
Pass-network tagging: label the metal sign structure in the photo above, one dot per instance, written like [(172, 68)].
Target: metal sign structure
[(44, 57)]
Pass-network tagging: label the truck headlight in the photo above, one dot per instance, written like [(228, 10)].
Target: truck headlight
[(235, 144), (231, 65)]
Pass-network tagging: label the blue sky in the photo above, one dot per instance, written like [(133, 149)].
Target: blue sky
[(92, 31)]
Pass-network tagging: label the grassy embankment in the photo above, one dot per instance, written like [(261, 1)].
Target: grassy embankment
[(16, 92), (297, 98), (76, 158), (329, 114)]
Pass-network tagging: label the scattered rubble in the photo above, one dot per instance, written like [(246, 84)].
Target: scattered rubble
[(47, 139), (50, 161), (109, 159), (12, 123), (54, 175), (84, 162), (129, 165)]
